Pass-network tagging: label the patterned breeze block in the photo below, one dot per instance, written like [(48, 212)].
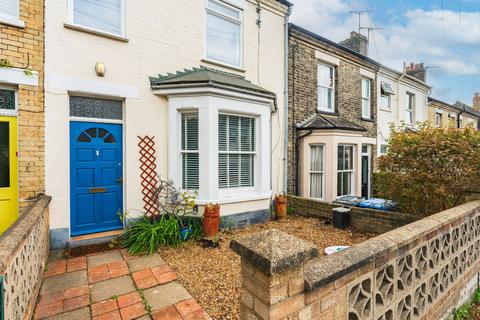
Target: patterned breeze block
[(148, 175), (409, 286)]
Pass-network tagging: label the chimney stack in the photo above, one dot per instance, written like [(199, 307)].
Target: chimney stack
[(417, 70), (476, 101), (357, 42)]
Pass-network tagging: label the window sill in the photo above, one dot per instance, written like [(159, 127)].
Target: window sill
[(236, 199), (385, 109), (367, 119), (332, 113), (12, 22), (95, 32), (223, 65)]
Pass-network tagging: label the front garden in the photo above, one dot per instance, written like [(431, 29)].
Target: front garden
[(212, 274)]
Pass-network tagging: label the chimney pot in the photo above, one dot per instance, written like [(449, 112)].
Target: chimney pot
[(417, 70)]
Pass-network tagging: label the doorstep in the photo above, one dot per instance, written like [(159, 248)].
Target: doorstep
[(93, 239)]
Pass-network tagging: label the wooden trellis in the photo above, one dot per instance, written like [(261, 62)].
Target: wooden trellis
[(148, 175)]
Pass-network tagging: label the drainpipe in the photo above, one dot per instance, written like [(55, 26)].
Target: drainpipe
[(285, 148), (398, 93), (297, 159)]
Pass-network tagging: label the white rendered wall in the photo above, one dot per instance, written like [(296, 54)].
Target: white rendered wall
[(399, 103), (164, 36)]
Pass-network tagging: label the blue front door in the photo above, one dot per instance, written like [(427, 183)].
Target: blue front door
[(96, 196)]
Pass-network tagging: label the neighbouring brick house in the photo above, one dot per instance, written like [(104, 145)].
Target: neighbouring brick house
[(332, 114), (458, 115), (21, 106)]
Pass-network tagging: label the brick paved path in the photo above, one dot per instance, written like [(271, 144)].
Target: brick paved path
[(113, 285)]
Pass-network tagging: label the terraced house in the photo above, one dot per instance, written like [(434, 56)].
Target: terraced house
[(341, 106), (203, 81), (21, 106), (457, 115), (332, 118)]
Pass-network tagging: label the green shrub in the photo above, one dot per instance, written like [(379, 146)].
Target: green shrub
[(430, 169), (148, 234)]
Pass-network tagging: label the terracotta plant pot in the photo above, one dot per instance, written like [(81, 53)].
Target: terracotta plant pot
[(211, 221), (280, 207)]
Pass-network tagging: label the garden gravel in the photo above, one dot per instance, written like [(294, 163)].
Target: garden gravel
[(212, 275)]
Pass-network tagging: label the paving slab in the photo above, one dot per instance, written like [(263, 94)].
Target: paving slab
[(64, 281), (103, 258), (165, 295), (145, 262), (79, 314), (114, 287)]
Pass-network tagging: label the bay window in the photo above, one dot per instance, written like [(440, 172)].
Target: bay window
[(224, 33), (106, 16), (344, 170), (325, 87), (366, 105), (236, 147), (190, 154), (316, 171)]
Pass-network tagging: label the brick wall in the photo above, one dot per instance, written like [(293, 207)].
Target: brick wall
[(25, 47), (362, 219), (421, 271), (303, 90)]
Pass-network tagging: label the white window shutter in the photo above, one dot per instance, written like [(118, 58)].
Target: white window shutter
[(190, 155)]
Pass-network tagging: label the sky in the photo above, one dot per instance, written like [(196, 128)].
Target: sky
[(443, 34)]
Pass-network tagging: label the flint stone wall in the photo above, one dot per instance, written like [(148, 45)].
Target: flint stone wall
[(423, 270), (23, 254)]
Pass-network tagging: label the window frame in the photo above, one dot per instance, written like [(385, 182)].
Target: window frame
[(70, 20), (321, 172), (13, 20), (332, 88), (410, 108), (381, 152), (368, 99), (240, 22), (239, 152), (182, 151), (438, 119), (388, 96), (10, 113), (351, 171)]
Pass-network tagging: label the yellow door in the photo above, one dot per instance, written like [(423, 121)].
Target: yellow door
[(8, 172)]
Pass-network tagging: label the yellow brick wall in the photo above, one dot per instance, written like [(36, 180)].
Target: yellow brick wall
[(22, 47)]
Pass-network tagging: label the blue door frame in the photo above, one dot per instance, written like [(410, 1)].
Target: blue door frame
[(96, 169)]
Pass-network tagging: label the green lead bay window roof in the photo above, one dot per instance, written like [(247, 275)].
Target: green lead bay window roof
[(208, 77), (329, 122)]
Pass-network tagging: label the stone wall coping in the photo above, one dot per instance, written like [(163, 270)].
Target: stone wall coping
[(13, 238), (274, 251), (364, 210), (373, 252)]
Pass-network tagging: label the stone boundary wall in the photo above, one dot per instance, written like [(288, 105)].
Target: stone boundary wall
[(362, 219), (423, 270), (23, 255)]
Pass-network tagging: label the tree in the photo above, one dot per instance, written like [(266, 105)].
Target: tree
[(429, 170)]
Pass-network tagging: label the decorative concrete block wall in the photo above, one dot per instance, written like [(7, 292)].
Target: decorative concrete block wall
[(362, 219), (23, 256), (420, 271)]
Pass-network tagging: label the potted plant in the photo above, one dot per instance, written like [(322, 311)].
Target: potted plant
[(280, 206), (211, 221)]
